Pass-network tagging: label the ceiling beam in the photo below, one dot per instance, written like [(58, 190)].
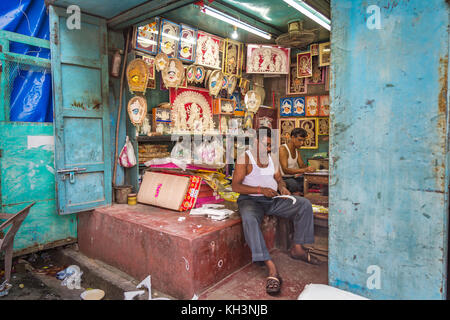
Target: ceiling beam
[(145, 11)]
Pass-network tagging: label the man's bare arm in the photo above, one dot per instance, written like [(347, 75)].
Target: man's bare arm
[(284, 163), (240, 171)]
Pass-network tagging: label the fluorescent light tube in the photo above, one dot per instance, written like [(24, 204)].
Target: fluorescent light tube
[(310, 12), (233, 21)]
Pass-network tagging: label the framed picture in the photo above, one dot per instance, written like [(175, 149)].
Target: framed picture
[(286, 107), (161, 83), (244, 84), (318, 76), (312, 106), (232, 61), (298, 107), (169, 38), (327, 78), (150, 61), (145, 38), (324, 106), (295, 85), (324, 54), (310, 125), (323, 126), (224, 106), (192, 110), (314, 48), (236, 96), (286, 126), (184, 83), (268, 59), (208, 50), (187, 44), (304, 64), (151, 84)]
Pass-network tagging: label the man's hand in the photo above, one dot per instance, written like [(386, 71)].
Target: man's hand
[(268, 192), (310, 169), (284, 191)]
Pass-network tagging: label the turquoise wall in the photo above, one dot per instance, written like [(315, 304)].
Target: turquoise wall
[(28, 174), (388, 221)]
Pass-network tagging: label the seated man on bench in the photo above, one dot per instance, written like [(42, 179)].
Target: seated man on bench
[(257, 179), (293, 167)]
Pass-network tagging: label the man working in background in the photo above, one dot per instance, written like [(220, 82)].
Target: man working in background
[(257, 179), (293, 167)]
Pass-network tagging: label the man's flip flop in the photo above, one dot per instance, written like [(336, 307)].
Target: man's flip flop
[(273, 285), (308, 258)]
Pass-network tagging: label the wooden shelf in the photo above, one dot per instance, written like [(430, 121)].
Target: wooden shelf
[(168, 137)]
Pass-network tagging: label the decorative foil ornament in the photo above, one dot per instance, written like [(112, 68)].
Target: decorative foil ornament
[(161, 61), (137, 75), (232, 81), (137, 110), (173, 74), (215, 82), (252, 101)]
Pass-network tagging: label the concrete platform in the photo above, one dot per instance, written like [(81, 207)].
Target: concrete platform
[(183, 256)]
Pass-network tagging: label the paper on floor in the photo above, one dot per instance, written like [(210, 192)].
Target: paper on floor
[(324, 292)]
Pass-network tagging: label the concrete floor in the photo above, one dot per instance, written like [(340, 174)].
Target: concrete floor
[(249, 283)]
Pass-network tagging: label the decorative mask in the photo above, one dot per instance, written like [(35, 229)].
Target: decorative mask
[(232, 80), (190, 73), (173, 74), (225, 82), (252, 101), (137, 75), (161, 61), (215, 82), (137, 110), (199, 74)]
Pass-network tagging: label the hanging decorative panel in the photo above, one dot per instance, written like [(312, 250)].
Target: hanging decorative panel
[(312, 106), (298, 107), (268, 59), (295, 85), (169, 38), (286, 126), (324, 126), (191, 110), (318, 74), (286, 107), (304, 65), (150, 61), (145, 38), (232, 62), (324, 54), (311, 126), (188, 43), (324, 106), (208, 50)]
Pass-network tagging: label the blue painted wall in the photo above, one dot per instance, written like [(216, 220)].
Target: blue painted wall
[(389, 149)]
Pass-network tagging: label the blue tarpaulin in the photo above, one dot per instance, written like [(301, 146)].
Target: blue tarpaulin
[(31, 89)]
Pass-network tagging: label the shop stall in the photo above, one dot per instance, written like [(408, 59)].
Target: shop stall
[(154, 100)]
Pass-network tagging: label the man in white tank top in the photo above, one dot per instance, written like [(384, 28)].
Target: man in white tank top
[(292, 166), (258, 180)]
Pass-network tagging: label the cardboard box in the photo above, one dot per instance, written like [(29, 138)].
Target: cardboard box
[(163, 190)]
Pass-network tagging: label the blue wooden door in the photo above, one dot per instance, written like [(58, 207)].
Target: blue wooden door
[(81, 112)]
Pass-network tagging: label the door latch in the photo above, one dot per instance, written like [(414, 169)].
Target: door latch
[(71, 173)]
